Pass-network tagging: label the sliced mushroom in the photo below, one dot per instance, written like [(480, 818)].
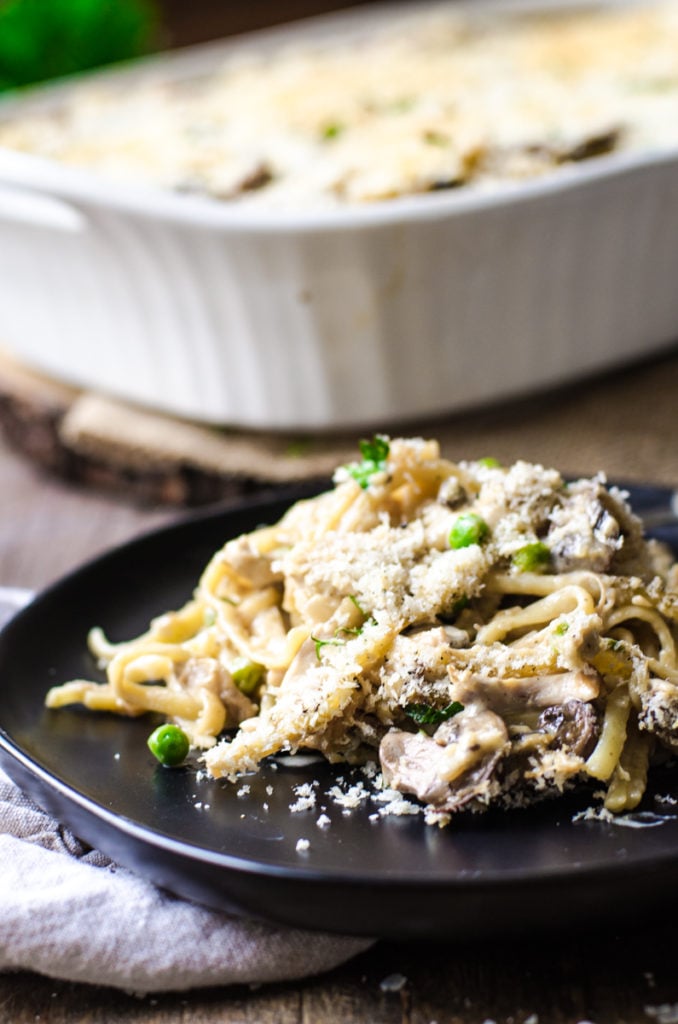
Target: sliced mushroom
[(597, 144), (584, 534), (525, 692), (451, 493), (659, 711), (572, 726), (451, 768), (409, 764)]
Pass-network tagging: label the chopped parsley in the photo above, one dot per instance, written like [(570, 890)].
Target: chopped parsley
[(369, 620), (562, 628), (350, 630), (320, 643), (337, 640), (374, 453), (425, 714)]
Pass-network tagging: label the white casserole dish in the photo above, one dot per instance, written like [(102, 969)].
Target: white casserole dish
[(343, 317)]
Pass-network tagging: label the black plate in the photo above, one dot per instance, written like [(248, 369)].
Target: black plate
[(216, 843)]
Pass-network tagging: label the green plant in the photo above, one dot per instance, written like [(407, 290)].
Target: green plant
[(42, 39)]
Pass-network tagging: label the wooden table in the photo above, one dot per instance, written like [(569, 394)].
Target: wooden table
[(625, 975)]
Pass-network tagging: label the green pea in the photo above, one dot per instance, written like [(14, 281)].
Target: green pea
[(468, 529), (246, 675), (532, 558), (169, 744)]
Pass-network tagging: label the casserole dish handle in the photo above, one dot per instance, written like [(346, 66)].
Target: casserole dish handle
[(20, 206)]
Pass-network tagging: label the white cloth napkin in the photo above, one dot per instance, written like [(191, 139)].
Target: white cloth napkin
[(68, 912)]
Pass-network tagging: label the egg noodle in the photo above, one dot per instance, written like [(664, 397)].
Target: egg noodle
[(489, 634)]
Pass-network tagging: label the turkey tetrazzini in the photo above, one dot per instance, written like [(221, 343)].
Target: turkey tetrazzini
[(491, 634)]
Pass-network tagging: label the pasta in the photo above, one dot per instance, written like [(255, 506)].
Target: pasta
[(491, 635)]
